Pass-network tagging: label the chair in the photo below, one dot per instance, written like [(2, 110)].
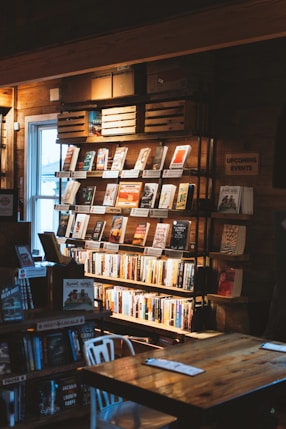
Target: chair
[(108, 411)]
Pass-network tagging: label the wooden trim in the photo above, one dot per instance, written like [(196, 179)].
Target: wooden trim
[(217, 27)]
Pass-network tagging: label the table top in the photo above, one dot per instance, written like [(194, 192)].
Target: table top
[(236, 372)]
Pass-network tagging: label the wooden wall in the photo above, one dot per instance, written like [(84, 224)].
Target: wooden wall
[(250, 90)]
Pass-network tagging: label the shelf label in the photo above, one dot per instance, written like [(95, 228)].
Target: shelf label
[(112, 210), (32, 272), (156, 174), (111, 247), (139, 212), (62, 207), (79, 174), (160, 213), (60, 323), (15, 379), (92, 245), (152, 251), (110, 174), (97, 209), (63, 174), (82, 208), (173, 173), (130, 174)]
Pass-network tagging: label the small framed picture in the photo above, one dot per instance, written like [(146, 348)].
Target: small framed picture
[(8, 204), (25, 256)]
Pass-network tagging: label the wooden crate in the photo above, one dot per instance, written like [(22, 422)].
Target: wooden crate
[(119, 120), (73, 124), (177, 115)]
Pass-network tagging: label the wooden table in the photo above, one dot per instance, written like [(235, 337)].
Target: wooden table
[(240, 380)]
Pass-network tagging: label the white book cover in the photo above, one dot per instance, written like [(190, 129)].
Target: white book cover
[(142, 159), (118, 228), (229, 200), (102, 159), (180, 156), (80, 226), (71, 158), (110, 194), (119, 158), (161, 235), (167, 195), (70, 191), (78, 294)]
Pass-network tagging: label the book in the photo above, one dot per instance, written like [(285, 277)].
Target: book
[(159, 157), (98, 230), (230, 282), (229, 199), (11, 303), (119, 158), (78, 294), (66, 221), (87, 195), (233, 239), (129, 194), (247, 200), (102, 159), (140, 234), (52, 248), (68, 392), (5, 362), (8, 397), (161, 235), (142, 158), (180, 234), (118, 228), (74, 342), (80, 226), (110, 194), (185, 196), (70, 191), (56, 348), (180, 156), (88, 160), (24, 256), (167, 196), (71, 158), (48, 397), (149, 195)]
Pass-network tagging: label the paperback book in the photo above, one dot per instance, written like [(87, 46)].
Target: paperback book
[(68, 392), (159, 157), (167, 195), (66, 221), (78, 294), (11, 303), (141, 161), (98, 230), (180, 234), (5, 363), (24, 256), (80, 226), (141, 233), (119, 158), (233, 239), (185, 196), (88, 160), (102, 159), (71, 188), (129, 194), (48, 397), (71, 158), (230, 282), (87, 195), (110, 194), (149, 195), (229, 199), (180, 156), (118, 228), (161, 235)]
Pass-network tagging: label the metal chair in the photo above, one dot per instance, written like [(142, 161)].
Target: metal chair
[(108, 411)]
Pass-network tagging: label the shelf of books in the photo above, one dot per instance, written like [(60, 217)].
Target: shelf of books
[(137, 212)]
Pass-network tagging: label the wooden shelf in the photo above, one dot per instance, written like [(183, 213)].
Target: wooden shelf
[(227, 299), (237, 258)]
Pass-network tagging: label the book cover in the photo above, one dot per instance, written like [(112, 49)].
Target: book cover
[(102, 159), (180, 156), (87, 195), (88, 160), (98, 229), (110, 194), (68, 392), (80, 226), (8, 398), (230, 282), (5, 362), (70, 191), (233, 239), (24, 256), (71, 158), (141, 161), (185, 196), (159, 157), (161, 235), (11, 303), (74, 343), (119, 158), (129, 194), (56, 349), (167, 196), (48, 397), (78, 294), (229, 200), (149, 195), (118, 228), (180, 234), (140, 234), (65, 224)]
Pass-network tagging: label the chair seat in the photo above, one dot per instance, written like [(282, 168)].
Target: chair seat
[(128, 414)]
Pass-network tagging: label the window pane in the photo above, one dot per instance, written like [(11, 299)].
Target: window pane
[(49, 162)]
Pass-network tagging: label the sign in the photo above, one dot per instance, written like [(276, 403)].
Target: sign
[(244, 163)]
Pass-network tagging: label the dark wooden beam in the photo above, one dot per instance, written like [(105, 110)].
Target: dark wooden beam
[(217, 27)]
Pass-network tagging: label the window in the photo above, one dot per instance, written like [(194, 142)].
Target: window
[(43, 157)]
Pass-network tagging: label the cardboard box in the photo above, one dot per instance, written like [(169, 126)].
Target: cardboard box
[(101, 86)]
